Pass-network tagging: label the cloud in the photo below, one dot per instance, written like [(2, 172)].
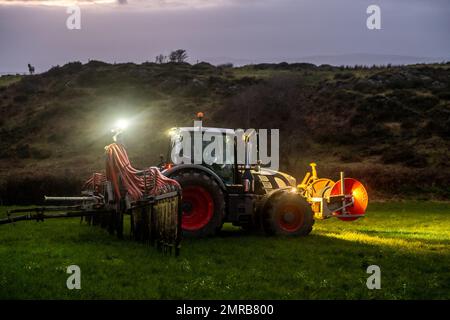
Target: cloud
[(53, 3), (156, 4)]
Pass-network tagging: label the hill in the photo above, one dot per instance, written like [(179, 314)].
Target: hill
[(388, 126)]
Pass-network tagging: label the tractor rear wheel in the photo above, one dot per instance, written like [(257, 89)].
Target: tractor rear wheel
[(288, 214), (203, 204)]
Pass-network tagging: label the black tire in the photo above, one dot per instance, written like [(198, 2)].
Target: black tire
[(202, 198), (288, 214)]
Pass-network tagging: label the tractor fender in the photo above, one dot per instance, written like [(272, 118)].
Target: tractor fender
[(182, 167)]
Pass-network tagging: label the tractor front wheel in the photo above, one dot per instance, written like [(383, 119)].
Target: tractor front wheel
[(288, 214), (203, 204)]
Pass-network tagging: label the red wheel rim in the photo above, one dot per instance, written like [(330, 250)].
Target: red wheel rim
[(290, 218), (198, 208), (356, 189)]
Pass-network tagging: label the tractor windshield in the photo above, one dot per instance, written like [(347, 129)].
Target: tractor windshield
[(214, 150)]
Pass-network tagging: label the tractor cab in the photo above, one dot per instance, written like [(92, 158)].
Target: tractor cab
[(233, 155), (184, 149)]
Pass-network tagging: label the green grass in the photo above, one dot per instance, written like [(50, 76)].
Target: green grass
[(408, 240), (308, 77), (6, 80)]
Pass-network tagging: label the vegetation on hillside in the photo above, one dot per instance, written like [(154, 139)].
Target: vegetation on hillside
[(387, 126)]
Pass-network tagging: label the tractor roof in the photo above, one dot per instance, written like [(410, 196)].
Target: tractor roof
[(210, 129)]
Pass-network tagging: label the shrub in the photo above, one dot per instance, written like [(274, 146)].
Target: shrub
[(72, 67), (405, 156), (228, 65), (444, 95), (23, 151), (25, 190), (343, 75), (20, 98), (96, 63), (40, 154)]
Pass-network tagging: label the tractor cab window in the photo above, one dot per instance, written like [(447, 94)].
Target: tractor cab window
[(220, 159)]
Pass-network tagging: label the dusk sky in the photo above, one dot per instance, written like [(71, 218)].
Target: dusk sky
[(219, 31)]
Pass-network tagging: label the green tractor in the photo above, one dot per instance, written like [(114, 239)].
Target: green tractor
[(250, 196)]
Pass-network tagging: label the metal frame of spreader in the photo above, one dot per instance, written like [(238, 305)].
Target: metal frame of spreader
[(92, 207)]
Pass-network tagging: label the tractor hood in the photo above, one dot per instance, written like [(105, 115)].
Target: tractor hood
[(270, 180)]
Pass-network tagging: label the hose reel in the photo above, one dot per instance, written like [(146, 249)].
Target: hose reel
[(346, 199)]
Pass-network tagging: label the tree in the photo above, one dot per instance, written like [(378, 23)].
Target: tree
[(160, 59), (178, 56)]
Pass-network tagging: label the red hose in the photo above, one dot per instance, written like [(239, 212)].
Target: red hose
[(120, 172)]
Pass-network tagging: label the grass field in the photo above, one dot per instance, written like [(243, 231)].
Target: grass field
[(6, 80), (408, 240)]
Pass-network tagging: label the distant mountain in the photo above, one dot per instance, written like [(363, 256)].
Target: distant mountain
[(335, 60), (370, 59)]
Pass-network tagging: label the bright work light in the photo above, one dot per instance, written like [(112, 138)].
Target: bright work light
[(121, 124)]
